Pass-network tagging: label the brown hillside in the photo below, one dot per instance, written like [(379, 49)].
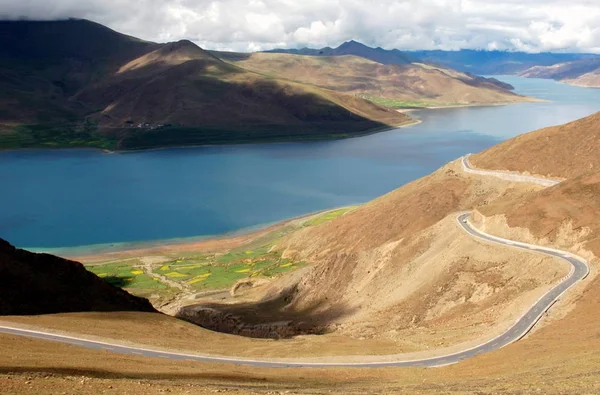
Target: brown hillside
[(42, 283), (566, 71), (572, 206), (398, 268), (359, 76), (589, 80), (559, 151), (181, 83), (43, 63)]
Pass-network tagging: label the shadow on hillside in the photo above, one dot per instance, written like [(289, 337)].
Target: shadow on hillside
[(118, 281), (275, 318)]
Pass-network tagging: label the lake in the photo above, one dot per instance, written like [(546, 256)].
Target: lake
[(64, 198)]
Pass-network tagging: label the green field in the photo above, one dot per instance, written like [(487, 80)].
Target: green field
[(195, 271), (127, 276), (123, 139), (396, 103), (55, 136), (209, 271), (328, 216), (224, 270)]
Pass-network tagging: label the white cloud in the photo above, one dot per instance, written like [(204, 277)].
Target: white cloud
[(529, 25)]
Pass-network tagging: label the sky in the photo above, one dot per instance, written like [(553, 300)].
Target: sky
[(249, 25)]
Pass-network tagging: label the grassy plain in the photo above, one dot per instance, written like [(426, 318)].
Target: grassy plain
[(159, 275), (396, 103)]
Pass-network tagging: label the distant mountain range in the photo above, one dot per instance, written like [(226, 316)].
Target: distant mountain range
[(583, 72), (355, 48), (479, 62), (494, 62)]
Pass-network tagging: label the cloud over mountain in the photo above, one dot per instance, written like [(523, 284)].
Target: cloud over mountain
[(534, 25)]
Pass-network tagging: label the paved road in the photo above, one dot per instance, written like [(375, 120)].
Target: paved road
[(520, 328), (467, 167)]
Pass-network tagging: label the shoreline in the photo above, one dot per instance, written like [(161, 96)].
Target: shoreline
[(106, 251), (533, 100), (367, 132)]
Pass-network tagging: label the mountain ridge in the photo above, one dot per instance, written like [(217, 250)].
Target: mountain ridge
[(402, 85), (353, 47), (583, 72)]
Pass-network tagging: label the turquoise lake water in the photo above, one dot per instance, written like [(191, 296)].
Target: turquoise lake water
[(65, 198)]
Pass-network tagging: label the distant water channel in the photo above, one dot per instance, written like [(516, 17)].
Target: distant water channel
[(67, 198)]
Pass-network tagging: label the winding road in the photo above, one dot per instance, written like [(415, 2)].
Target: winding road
[(519, 329)]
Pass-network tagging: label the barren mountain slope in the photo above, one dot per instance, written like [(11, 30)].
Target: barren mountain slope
[(559, 151), (399, 268), (182, 83), (583, 72), (566, 215), (390, 84), (559, 358), (355, 48), (588, 80), (43, 63), (42, 283)]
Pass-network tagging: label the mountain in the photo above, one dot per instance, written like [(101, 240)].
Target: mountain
[(42, 284), (77, 83), (588, 80), (568, 214), (584, 72), (355, 48), (392, 85), (43, 63), (494, 62), (563, 151), (399, 269)]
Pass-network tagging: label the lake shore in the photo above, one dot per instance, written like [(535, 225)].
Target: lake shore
[(106, 252), (441, 107), (340, 136), (369, 132)]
